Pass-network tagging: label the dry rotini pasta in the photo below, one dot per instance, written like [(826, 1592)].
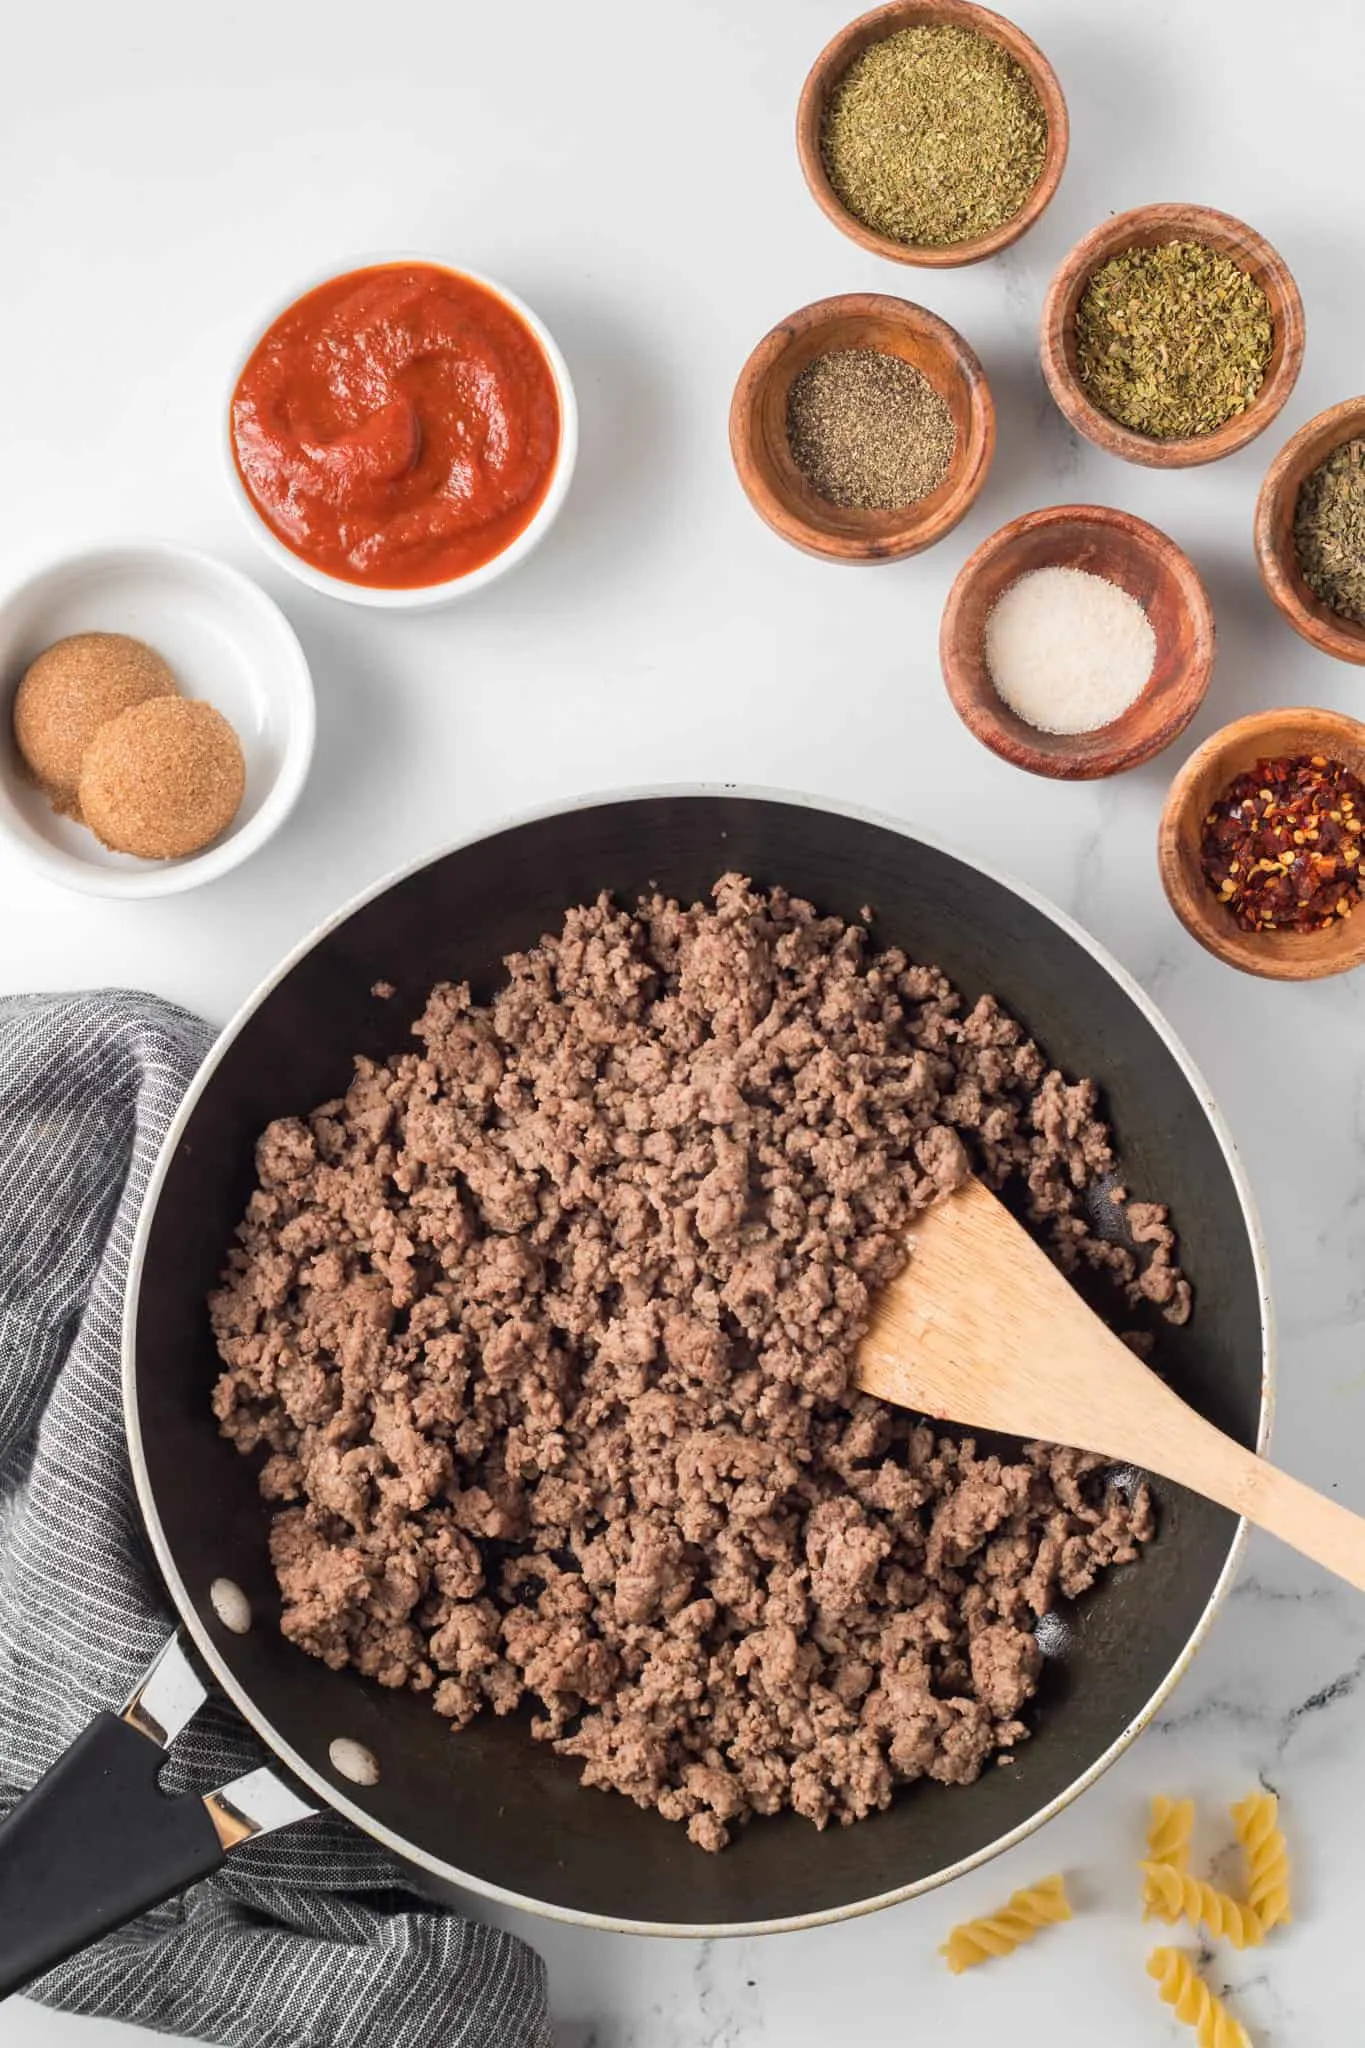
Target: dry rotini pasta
[(1167, 1893), (996, 1934), (1182, 1987), (1168, 1835), (1258, 1830)]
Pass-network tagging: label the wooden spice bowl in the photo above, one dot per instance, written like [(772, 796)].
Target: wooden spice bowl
[(1279, 956), (1144, 228), (777, 490), (1276, 553), (1124, 550), (835, 59)]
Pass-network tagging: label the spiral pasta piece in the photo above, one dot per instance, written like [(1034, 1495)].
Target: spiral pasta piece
[(996, 1934), (1182, 1987), (1168, 1893), (1258, 1830), (1169, 1832)]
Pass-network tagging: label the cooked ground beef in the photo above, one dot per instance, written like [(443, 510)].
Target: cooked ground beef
[(546, 1329)]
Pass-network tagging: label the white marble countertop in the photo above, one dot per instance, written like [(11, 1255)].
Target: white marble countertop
[(166, 170)]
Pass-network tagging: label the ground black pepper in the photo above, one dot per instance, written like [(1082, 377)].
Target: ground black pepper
[(868, 430), (1281, 847)]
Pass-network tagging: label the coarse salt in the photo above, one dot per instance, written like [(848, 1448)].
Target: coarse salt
[(1068, 651)]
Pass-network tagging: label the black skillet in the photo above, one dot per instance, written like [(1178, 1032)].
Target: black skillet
[(489, 1809)]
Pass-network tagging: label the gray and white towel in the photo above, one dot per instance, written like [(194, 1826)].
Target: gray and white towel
[(305, 1939)]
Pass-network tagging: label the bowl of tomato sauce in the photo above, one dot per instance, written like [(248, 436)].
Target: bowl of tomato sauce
[(401, 432)]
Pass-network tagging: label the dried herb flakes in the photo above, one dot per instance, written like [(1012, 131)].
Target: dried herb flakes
[(1329, 531), (934, 135), (1174, 340)]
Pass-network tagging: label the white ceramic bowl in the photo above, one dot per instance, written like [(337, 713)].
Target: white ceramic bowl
[(226, 641), (425, 596)]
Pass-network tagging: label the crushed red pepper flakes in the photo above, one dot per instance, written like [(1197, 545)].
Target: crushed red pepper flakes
[(1282, 845)]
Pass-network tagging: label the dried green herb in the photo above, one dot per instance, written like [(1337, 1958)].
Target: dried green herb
[(1329, 531), (934, 135), (868, 430), (1173, 341)]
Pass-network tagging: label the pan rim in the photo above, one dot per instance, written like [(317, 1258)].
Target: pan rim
[(398, 1845)]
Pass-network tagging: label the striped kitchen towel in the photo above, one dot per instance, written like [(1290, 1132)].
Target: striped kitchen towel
[(305, 1939)]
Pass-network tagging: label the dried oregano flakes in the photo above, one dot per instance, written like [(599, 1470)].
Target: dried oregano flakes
[(1173, 341)]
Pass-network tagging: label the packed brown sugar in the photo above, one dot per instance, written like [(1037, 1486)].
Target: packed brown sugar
[(544, 1334)]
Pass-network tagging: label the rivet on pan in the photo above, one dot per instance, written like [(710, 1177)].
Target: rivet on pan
[(352, 1760), (231, 1605), (1052, 1635)]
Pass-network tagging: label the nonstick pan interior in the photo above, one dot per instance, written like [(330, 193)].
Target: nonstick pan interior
[(489, 1807)]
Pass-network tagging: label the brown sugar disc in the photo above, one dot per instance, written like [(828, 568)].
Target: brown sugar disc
[(71, 690), (162, 779)]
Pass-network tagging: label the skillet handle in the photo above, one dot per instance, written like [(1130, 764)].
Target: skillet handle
[(94, 1844)]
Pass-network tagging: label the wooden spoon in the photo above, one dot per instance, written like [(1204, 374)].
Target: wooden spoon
[(981, 1328)]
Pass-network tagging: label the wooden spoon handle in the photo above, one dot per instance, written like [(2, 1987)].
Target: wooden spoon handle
[(1202, 1458), (1307, 1521)]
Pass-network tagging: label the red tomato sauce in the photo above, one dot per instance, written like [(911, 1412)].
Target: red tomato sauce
[(397, 427)]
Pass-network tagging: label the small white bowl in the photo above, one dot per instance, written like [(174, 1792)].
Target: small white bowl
[(226, 642), (423, 596)]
